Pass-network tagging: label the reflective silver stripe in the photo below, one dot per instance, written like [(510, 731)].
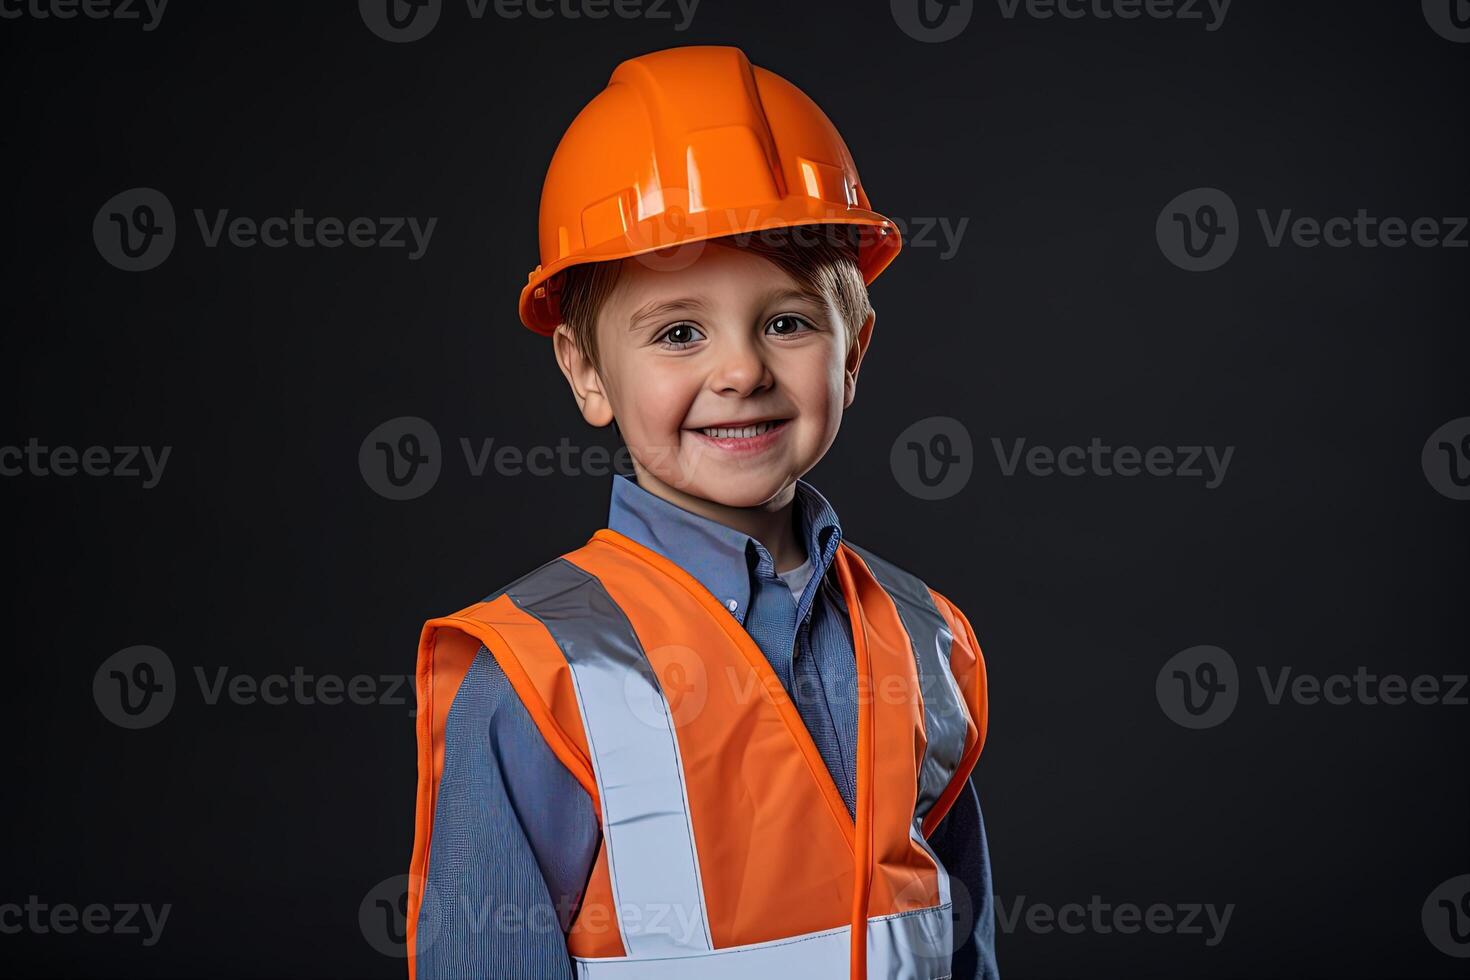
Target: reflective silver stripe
[(917, 834), (905, 946), (945, 713), (657, 892)]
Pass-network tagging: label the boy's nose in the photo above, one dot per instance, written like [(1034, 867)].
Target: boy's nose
[(742, 368)]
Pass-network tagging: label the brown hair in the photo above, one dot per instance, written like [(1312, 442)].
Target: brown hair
[(821, 258)]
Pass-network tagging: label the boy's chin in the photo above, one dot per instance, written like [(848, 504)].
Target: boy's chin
[(734, 489)]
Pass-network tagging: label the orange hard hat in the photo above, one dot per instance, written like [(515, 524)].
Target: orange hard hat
[(685, 145)]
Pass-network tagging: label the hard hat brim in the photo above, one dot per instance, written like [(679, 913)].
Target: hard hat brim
[(540, 310)]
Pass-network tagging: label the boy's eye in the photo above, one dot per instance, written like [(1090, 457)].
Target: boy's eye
[(788, 323), (680, 335)]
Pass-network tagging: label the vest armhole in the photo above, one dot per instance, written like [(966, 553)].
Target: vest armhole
[(967, 663), (557, 740), (447, 649)]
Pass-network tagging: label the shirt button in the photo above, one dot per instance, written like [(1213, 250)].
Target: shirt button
[(732, 604)]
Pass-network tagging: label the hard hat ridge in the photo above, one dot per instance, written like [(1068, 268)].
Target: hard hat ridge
[(685, 145)]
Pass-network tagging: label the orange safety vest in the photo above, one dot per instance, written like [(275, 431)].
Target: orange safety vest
[(726, 850)]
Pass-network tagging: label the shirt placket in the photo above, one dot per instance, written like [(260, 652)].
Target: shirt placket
[(805, 610)]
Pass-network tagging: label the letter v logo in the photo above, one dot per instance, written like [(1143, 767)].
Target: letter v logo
[(1198, 230)]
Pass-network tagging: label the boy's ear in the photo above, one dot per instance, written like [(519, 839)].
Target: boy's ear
[(855, 359), (586, 383)]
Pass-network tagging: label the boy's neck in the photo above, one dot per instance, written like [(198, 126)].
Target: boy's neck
[(771, 523)]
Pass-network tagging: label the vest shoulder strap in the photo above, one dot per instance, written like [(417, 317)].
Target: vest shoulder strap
[(527, 652), (951, 672)]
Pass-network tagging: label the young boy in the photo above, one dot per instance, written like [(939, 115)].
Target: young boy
[(719, 740)]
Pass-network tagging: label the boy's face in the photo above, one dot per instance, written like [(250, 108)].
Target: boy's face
[(725, 341)]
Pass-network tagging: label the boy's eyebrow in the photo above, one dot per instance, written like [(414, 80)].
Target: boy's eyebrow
[(806, 294), (656, 308)]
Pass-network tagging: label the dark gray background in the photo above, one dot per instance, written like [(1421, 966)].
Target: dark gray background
[(1059, 319)]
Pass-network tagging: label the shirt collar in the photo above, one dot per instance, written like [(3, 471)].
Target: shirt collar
[(721, 558)]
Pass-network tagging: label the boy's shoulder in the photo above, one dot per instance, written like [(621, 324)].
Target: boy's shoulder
[(558, 574), (536, 580), (891, 573), (884, 567), (555, 574), (894, 576)]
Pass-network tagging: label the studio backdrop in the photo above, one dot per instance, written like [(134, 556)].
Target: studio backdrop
[(1168, 391)]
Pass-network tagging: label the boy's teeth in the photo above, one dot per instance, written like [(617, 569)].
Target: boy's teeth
[(746, 432)]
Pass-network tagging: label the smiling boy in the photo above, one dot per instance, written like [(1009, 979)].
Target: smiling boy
[(719, 739)]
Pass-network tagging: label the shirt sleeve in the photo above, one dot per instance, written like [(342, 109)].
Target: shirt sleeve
[(502, 888), (959, 843)]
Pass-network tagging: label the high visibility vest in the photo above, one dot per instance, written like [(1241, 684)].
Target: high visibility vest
[(726, 849)]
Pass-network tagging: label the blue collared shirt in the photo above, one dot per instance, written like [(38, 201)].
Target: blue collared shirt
[(515, 828)]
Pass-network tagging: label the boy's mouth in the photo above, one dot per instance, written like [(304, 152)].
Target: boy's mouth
[(751, 437)]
